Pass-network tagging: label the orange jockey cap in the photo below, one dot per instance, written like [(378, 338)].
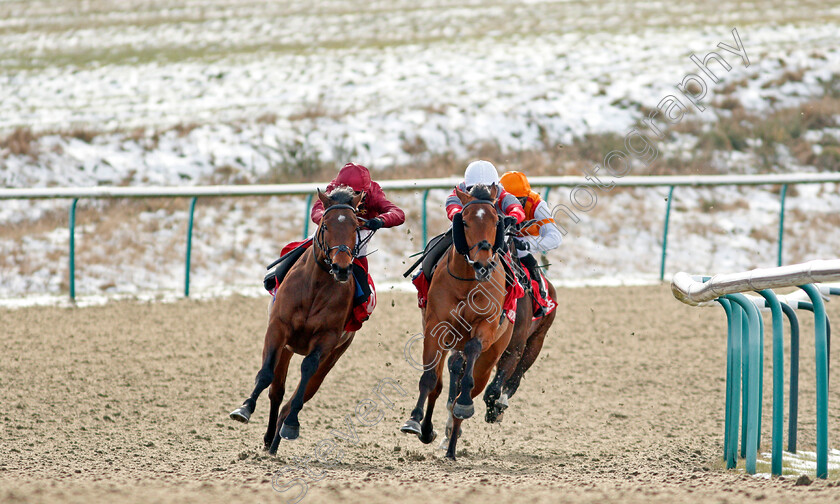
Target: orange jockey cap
[(516, 183)]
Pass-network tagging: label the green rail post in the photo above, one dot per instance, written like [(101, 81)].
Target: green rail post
[(782, 222), (189, 249), (72, 265), (793, 401), (665, 233), (778, 381), (738, 316), (547, 192), (821, 353), (730, 352), (306, 216), (425, 218), (753, 381), (745, 380)]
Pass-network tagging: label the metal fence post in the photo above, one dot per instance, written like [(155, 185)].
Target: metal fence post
[(306, 216), (821, 355), (751, 419), (665, 233), (189, 249), (72, 265), (425, 218), (793, 400), (782, 223), (778, 381)]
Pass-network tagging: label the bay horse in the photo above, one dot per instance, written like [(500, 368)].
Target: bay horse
[(464, 315), (522, 351), (308, 316)]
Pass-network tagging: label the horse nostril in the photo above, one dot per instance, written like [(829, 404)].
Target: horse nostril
[(484, 245)]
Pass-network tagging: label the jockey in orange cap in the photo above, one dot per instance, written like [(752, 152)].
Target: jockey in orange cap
[(541, 236)]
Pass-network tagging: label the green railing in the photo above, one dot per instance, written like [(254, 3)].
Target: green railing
[(424, 185), (744, 362)]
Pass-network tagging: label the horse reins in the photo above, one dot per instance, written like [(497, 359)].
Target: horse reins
[(327, 262)]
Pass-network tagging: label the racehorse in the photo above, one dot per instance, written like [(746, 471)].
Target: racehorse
[(308, 317), (464, 315), (523, 349)]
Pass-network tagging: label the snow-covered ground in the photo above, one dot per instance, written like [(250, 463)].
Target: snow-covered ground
[(199, 91)]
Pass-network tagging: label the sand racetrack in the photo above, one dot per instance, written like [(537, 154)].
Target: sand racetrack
[(128, 403)]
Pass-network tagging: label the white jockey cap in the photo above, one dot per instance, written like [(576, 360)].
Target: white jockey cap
[(481, 172)]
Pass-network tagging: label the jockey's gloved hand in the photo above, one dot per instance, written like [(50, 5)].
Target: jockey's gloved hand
[(374, 224), (521, 245), (509, 221)]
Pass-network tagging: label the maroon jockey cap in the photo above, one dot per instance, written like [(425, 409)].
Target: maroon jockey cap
[(354, 175)]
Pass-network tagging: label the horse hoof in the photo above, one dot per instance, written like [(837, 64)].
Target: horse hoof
[(289, 432), (241, 414), (411, 427), (428, 439), (463, 411)]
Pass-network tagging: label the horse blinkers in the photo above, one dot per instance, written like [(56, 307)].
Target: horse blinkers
[(459, 239)]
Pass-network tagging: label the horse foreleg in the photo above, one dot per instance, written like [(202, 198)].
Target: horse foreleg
[(290, 429), (275, 394), (453, 438), (271, 348), (494, 398), (318, 378), (432, 358), (427, 432), (464, 407)]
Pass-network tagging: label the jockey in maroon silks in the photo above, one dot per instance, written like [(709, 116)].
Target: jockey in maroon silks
[(379, 213)]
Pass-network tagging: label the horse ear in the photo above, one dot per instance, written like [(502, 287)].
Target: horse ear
[(324, 199), (494, 193), (464, 197), (357, 199)]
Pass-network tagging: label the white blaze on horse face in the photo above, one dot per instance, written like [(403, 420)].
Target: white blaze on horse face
[(480, 213), (341, 218)]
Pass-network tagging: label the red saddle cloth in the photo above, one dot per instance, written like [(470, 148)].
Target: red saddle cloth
[(514, 292), (548, 303), (361, 312)]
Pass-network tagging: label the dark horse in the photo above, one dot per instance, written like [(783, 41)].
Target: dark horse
[(464, 315), (523, 349), (312, 305)]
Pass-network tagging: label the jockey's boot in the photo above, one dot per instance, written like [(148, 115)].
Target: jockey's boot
[(529, 262)]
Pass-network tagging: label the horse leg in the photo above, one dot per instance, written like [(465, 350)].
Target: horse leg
[(274, 342), (529, 356), (318, 378), (290, 429), (495, 401), (427, 432), (275, 394), (453, 439), (464, 407), (456, 371), (432, 357)]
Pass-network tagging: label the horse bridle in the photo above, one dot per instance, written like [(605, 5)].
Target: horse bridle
[(466, 254), (327, 263)]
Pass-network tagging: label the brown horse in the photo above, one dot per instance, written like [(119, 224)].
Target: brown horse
[(464, 315), (523, 349), (307, 318)]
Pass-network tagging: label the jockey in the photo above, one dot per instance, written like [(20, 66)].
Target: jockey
[(483, 172), (375, 207), (541, 236)]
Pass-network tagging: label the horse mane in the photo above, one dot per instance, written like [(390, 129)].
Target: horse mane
[(480, 191), (343, 195)]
